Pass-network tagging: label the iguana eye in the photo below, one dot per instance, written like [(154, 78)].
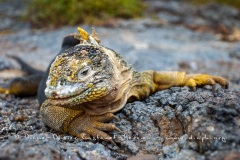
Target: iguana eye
[(84, 72)]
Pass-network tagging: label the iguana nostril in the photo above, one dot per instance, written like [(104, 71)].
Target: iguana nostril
[(54, 94), (62, 82)]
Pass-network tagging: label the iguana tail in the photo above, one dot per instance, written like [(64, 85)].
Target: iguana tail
[(25, 67), (24, 86)]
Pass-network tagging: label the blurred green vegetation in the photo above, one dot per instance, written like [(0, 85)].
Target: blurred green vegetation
[(233, 3), (45, 13)]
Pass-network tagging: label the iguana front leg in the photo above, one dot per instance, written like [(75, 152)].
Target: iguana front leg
[(200, 80), (149, 82), (77, 122), (179, 79)]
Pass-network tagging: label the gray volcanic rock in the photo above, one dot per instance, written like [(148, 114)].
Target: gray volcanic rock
[(235, 51), (11, 12), (174, 123)]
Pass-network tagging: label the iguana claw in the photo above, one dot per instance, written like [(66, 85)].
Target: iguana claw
[(200, 80), (87, 126)]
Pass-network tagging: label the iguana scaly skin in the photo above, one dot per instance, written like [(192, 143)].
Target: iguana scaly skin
[(87, 82)]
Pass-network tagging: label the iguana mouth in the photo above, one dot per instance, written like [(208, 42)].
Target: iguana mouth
[(65, 91), (55, 96), (86, 95)]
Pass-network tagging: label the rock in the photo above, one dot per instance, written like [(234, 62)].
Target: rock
[(213, 17), (140, 24), (171, 151), (189, 155), (174, 123), (235, 51), (11, 12), (226, 154), (4, 64), (131, 147)]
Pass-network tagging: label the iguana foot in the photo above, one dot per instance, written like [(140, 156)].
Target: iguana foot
[(87, 126), (200, 80)]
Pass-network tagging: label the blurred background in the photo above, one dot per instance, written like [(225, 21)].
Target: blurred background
[(189, 35), (217, 15)]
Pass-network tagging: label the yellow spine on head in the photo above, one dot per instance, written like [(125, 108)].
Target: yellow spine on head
[(83, 34)]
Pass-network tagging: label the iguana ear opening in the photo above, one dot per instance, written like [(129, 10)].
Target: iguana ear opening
[(85, 38)]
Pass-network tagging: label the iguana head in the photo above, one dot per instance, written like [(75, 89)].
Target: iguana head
[(82, 73)]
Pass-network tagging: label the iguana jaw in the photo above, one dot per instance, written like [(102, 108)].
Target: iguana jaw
[(87, 95)]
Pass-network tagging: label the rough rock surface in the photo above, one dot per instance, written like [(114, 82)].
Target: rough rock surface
[(11, 12), (174, 123)]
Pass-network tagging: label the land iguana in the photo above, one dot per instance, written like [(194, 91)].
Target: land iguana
[(87, 82)]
